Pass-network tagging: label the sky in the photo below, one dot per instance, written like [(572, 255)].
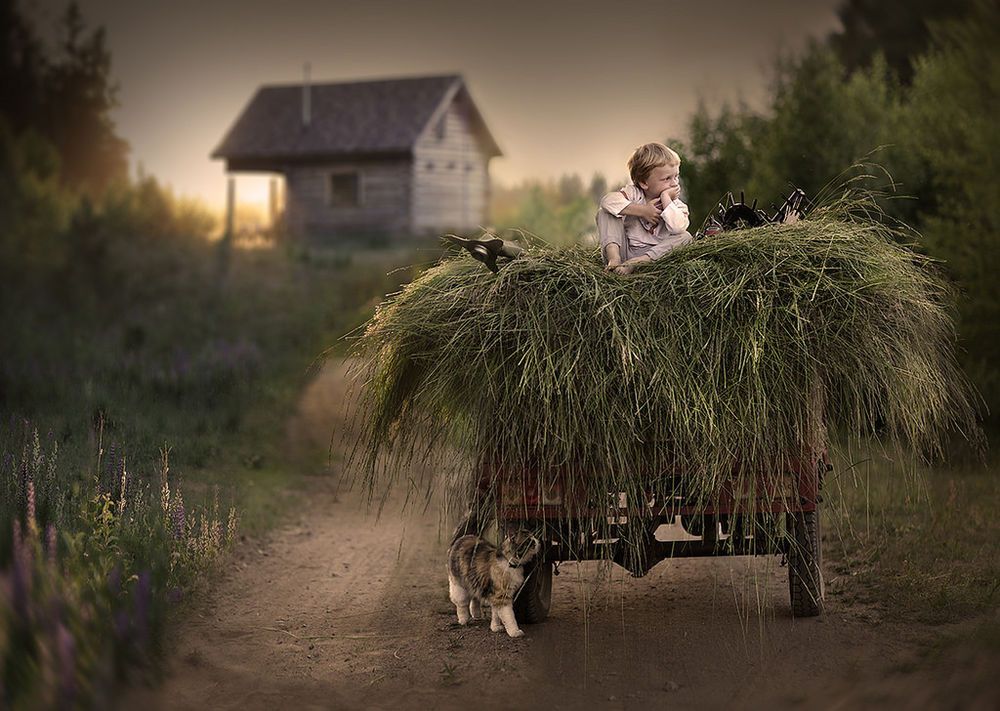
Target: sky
[(565, 87)]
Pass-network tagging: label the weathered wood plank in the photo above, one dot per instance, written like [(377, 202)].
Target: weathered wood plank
[(446, 185), (450, 175), (384, 195)]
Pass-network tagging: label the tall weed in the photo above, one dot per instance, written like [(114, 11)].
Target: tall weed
[(93, 563)]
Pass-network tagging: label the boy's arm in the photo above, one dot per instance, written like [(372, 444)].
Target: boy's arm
[(644, 209), (614, 201), (617, 200), (629, 201), (676, 217)]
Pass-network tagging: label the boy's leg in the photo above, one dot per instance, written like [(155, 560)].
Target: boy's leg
[(610, 230)]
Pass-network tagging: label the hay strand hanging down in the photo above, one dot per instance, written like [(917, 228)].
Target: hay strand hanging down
[(740, 348)]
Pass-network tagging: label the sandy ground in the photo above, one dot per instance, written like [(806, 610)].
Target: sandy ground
[(338, 610)]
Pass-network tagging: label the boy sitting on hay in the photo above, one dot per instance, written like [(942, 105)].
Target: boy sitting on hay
[(646, 219)]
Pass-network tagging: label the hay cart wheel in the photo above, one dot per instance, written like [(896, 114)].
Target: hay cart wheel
[(805, 557), (532, 602)]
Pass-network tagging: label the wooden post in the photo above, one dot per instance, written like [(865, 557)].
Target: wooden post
[(226, 244), (230, 207)]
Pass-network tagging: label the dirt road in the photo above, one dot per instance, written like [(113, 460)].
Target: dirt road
[(338, 610)]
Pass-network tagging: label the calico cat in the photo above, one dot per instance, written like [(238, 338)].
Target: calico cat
[(480, 572)]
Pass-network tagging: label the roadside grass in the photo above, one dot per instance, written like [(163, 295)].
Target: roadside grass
[(919, 547), (185, 376), (208, 365), (91, 569), (918, 544)]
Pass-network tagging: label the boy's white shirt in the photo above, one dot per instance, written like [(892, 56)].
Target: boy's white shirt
[(644, 237)]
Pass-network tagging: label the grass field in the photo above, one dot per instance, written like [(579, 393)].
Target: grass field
[(920, 543), (142, 431), (210, 364), (919, 549)]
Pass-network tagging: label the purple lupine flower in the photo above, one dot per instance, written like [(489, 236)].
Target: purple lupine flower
[(23, 476), (37, 458), (6, 594), (120, 624), (51, 544), (20, 574), (66, 654)]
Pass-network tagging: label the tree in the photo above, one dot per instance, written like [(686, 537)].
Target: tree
[(23, 67), (78, 108), (598, 187), (34, 207), (570, 188), (896, 29), (718, 155), (951, 116), (67, 99), (822, 123)]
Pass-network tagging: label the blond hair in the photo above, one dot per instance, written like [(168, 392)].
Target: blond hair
[(650, 156)]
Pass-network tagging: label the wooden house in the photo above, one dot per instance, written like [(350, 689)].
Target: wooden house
[(396, 156)]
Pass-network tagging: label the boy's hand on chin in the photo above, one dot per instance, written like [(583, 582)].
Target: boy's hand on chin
[(670, 194)]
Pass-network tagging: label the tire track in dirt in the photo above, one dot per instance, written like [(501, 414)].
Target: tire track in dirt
[(338, 610)]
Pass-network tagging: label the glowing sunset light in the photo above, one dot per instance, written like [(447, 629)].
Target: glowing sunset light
[(556, 82)]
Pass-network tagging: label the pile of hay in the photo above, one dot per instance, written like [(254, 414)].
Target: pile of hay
[(743, 347)]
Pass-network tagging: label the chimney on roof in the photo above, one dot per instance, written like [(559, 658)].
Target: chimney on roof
[(306, 98)]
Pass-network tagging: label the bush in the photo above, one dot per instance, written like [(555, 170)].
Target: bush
[(950, 114), (35, 210), (561, 211)]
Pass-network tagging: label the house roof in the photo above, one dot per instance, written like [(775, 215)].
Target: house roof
[(347, 119)]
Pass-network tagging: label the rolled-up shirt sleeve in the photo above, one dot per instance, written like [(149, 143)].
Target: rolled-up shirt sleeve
[(676, 217), (617, 200)]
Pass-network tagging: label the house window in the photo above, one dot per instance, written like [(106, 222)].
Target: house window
[(430, 165), (451, 165), (345, 189), (439, 129)]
